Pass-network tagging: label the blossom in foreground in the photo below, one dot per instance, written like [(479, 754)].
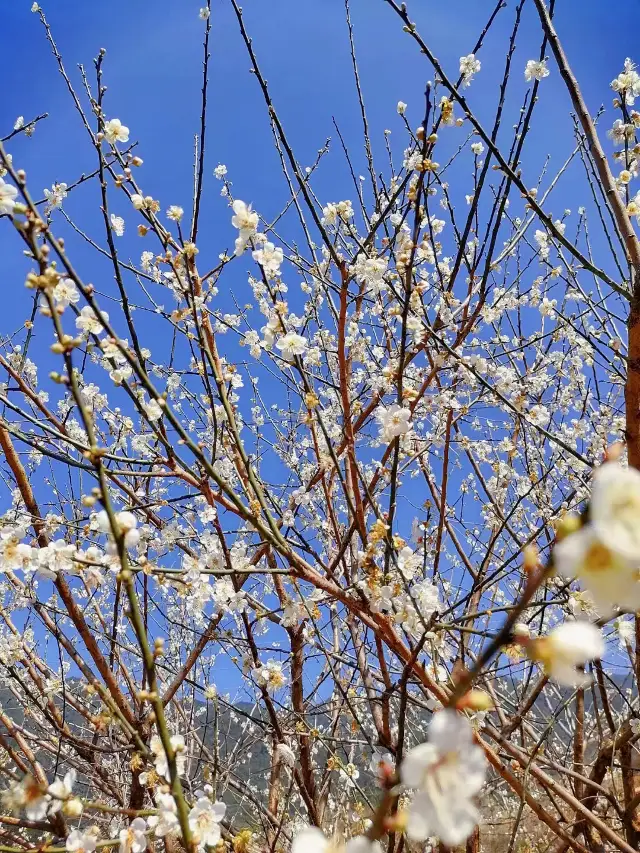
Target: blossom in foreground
[(394, 420), (291, 345), (115, 131), (615, 508), (605, 554), (166, 821), (313, 840), (80, 842), (7, 197), (611, 579), (246, 221), (446, 772), (536, 70), (61, 790), (566, 648), (133, 838), (204, 821)]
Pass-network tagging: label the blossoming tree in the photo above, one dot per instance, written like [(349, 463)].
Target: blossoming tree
[(323, 533)]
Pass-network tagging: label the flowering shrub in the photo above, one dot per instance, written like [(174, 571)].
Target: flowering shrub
[(323, 533)]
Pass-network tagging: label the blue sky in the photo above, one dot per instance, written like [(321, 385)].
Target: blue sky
[(153, 73)]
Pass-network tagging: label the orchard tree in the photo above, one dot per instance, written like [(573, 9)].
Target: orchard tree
[(321, 522)]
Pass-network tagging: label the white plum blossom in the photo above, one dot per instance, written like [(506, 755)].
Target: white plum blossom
[(115, 131), (160, 756), (469, 67), (270, 259), (220, 171), (8, 194), (175, 213), (61, 790), (204, 821), (14, 554), (246, 221), (627, 83), (55, 196), (117, 224), (88, 323), (80, 842), (394, 421), (566, 648), (270, 675), (536, 70), (313, 840), (127, 524), (291, 345), (401, 108), (611, 579), (166, 821), (446, 772), (133, 838), (615, 509)]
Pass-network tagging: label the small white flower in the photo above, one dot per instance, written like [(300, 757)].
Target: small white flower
[(7, 197), (153, 410), (246, 221), (220, 171), (117, 223), (627, 83), (88, 323), (566, 648), (394, 420), (401, 108), (115, 131), (205, 13), (19, 123), (35, 8), (291, 345), (536, 70), (204, 821), (133, 838), (166, 820), (469, 67), (176, 213), (477, 148), (160, 756), (55, 196)]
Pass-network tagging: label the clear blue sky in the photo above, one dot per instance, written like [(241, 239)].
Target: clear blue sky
[(153, 72)]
